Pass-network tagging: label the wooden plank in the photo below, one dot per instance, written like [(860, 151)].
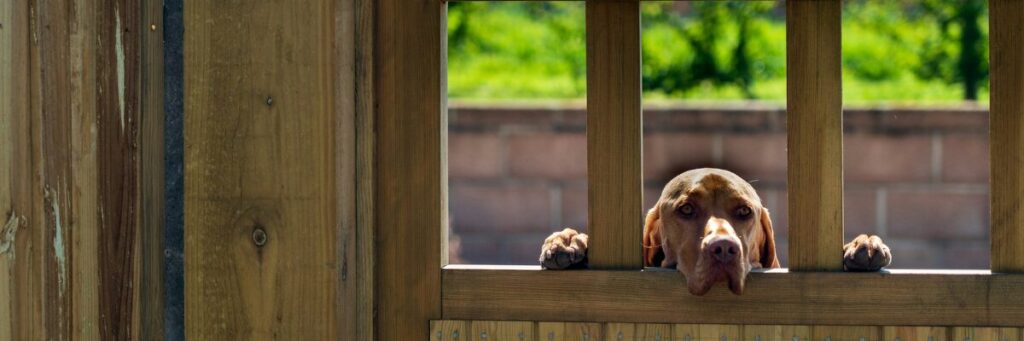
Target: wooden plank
[(1006, 120), (411, 126), (21, 288), (846, 333), (355, 183), (653, 332), (776, 333), (502, 331), (892, 298), (261, 227), (915, 333), (614, 134), (86, 44), (720, 332), (620, 331), (707, 332), (987, 334), (550, 331), (815, 134), (584, 332), (449, 330), (151, 150)]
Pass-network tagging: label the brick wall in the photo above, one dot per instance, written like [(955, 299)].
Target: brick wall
[(918, 177)]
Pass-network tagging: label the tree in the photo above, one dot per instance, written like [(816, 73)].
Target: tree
[(961, 34)]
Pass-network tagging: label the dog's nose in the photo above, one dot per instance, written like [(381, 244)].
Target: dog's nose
[(723, 250)]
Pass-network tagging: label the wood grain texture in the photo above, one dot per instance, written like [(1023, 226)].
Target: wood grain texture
[(776, 333), (502, 331), (71, 80), (1006, 120), (21, 216), (447, 330), (846, 333), (915, 333), (354, 55), (893, 298), (653, 332), (988, 334), (151, 149), (815, 134), (411, 127), (614, 135), (261, 227)]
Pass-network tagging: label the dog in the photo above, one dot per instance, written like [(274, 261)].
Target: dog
[(711, 226)]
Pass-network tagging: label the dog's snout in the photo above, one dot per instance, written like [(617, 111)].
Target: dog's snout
[(723, 250)]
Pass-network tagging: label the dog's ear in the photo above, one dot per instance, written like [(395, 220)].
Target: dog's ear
[(769, 259), (653, 254)]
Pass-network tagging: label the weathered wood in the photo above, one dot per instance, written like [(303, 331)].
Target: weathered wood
[(151, 150), (261, 227), (614, 134), (411, 126), (21, 217), (893, 298), (815, 134), (915, 333), (1006, 20)]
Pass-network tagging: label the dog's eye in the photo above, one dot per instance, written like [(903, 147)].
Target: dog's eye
[(743, 212), (687, 210)]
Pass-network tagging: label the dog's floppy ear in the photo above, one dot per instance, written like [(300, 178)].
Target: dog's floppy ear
[(653, 254), (769, 259)]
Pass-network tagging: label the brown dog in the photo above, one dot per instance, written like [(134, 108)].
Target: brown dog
[(711, 226)]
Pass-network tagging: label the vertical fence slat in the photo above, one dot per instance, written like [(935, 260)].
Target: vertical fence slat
[(411, 127), (614, 134), (815, 132), (1006, 20), (151, 141), (261, 226)]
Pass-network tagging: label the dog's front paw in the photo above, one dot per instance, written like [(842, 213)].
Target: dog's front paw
[(563, 250), (866, 253)]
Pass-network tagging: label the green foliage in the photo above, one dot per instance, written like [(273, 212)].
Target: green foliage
[(893, 51)]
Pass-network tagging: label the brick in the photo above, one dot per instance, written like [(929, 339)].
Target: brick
[(859, 213), (669, 154), (475, 155), (965, 158), (937, 215), (879, 159), (479, 208), (574, 207), (651, 196), (522, 249), (756, 157), (548, 155)]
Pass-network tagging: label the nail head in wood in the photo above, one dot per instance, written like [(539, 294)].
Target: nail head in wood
[(259, 236)]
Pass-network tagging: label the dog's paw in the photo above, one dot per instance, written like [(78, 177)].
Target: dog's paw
[(563, 250), (866, 253)]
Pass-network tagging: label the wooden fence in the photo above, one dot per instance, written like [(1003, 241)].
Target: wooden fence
[(316, 177)]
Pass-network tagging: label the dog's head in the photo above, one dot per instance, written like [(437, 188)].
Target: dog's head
[(711, 226)]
